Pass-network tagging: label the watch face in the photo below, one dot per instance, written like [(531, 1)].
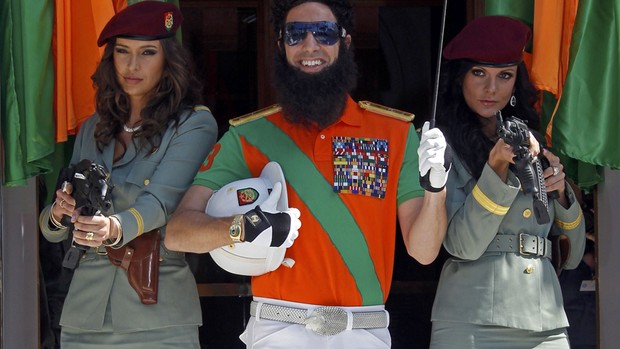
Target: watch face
[(236, 228), (235, 231)]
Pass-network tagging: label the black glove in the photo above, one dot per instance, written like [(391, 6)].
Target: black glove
[(278, 229)]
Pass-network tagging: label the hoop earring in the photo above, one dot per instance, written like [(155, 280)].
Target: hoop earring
[(513, 101)]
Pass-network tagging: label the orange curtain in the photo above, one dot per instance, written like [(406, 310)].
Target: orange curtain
[(553, 27), (77, 27)]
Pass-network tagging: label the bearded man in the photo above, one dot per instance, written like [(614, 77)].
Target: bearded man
[(352, 169)]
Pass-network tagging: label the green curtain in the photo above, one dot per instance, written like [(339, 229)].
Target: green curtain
[(521, 9), (584, 115), (586, 124), (26, 78)]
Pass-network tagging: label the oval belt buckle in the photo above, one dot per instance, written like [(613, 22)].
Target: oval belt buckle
[(327, 321)]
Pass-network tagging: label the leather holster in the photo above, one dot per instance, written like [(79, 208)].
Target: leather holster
[(140, 259), (560, 252)]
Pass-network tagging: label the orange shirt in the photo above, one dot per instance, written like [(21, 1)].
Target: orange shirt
[(363, 148)]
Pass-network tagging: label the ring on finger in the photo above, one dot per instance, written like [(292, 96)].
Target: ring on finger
[(90, 235), (62, 202), (556, 170)]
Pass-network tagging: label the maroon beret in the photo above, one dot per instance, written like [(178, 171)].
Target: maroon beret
[(493, 40), (145, 20)]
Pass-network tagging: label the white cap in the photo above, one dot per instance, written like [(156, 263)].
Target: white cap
[(238, 198)]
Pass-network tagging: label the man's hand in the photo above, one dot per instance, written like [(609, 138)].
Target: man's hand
[(435, 159), (269, 227)]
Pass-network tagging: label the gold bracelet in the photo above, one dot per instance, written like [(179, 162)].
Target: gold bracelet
[(119, 237), (53, 220)]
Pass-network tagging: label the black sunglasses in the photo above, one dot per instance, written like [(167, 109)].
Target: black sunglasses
[(325, 32)]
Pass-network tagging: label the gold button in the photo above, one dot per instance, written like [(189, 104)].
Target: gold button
[(527, 213), (529, 269), (146, 182)]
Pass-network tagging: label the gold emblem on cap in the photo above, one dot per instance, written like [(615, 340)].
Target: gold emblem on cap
[(527, 213), (168, 20)]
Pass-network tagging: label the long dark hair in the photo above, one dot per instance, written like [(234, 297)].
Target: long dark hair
[(462, 127), (178, 90)]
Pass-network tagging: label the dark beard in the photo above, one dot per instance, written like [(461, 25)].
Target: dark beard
[(314, 99)]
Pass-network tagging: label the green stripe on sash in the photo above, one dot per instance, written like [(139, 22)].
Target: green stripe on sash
[(323, 202)]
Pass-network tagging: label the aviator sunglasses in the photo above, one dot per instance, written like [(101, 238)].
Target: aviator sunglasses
[(325, 32)]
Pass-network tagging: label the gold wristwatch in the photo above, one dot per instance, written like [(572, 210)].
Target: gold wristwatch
[(236, 228)]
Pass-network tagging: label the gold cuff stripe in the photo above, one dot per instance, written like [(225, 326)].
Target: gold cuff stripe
[(487, 203), (139, 221), (569, 225), (202, 107)]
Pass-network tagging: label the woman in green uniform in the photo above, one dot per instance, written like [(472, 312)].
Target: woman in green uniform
[(499, 288), (151, 134)]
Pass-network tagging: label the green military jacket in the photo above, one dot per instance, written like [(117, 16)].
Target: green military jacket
[(502, 288), (147, 188)]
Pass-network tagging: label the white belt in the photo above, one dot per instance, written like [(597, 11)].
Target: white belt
[(524, 244), (324, 321)]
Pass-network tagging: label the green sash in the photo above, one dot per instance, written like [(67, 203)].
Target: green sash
[(323, 202)]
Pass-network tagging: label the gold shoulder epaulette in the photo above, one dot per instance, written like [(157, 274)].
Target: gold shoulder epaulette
[(201, 107), (240, 120), (387, 111)]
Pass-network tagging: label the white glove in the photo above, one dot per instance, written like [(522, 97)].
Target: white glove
[(269, 227), (435, 159)]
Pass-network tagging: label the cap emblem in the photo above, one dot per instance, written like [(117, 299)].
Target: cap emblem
[(168, 20), (144, 20), (247, 196)]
